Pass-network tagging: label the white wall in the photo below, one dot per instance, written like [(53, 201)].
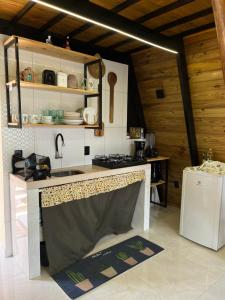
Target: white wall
[(41, 140)]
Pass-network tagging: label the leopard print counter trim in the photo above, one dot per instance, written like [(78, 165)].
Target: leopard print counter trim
[(83, 189)]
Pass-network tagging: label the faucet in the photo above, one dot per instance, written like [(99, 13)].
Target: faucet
[(57, 155)]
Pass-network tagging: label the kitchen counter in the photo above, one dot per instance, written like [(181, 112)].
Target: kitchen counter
[(25, 209), (89, 172)]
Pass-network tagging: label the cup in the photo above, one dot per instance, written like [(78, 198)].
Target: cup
[(46, 119), (25, 118), (91, 84), (34, 119), (14, 118)]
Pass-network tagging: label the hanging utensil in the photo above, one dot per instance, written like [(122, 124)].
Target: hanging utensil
[(112, 79)]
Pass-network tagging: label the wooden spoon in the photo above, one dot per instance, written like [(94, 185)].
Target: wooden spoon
[(112, 79)]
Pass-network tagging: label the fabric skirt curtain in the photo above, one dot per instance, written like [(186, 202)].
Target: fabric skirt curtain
[(71, 229)]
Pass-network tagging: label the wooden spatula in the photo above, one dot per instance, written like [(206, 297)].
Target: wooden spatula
[(112, 79)]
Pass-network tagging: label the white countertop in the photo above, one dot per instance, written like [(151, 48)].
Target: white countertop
[(89, 172)]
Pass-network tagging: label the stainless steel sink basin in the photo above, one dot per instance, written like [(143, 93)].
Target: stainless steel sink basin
[(66, 173)]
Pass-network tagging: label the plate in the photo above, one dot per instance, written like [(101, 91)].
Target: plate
[(90, 115), (73, 122)]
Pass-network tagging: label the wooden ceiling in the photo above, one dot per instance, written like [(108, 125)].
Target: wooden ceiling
[(171, 18)]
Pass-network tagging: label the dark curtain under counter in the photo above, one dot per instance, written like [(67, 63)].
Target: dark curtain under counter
[(71, 229)]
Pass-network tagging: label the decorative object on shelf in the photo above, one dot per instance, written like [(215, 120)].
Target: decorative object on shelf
[(72, 81), (27, 75), (61, 79), (82, 81), (90, 83), (112, 79), (90, 115), (49, 40), (100, 132), (136, 132), (94, 68), (67, 43), (48, 77)]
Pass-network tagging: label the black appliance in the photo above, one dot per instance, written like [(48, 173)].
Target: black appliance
[(115, 161), (139, 149), (48, 77), (34, 166), (150, 150)]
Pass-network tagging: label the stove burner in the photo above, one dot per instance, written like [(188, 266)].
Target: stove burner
[(114, 161)]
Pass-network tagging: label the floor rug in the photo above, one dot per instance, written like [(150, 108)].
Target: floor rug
[(96, 269)]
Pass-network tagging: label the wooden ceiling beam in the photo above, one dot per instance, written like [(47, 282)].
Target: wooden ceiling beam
[(80, 29), (95, 12), (52, 22), (163, 10), (123, 5), (195, 30), (22, 12), (121, 43), (116, 9), (153, 14), (186, 19), (137, 49)]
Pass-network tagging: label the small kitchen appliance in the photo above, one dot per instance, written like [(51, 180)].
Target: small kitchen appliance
[(34, 166), (115, 161), (139, 149), (150, 150)]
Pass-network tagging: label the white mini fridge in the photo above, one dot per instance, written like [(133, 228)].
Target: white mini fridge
[(203, 208)]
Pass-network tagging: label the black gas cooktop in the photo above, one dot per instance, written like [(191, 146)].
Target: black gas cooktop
[(115, 161)]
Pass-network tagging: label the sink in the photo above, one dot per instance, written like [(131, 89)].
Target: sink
[(66, 173)]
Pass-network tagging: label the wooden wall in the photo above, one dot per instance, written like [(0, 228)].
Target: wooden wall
[(207, 91), (157, 69)]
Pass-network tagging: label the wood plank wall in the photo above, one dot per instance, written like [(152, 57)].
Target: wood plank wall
[(207, 91), (156, 69)]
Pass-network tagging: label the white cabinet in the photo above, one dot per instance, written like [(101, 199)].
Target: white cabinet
[(202, 208)]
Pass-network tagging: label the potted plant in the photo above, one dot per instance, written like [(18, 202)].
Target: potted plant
[(141, 248), (127, 259), (107, 271), (80, 281)]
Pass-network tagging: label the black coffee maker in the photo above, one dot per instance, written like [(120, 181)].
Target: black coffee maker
[(150, 150), (139, 149)]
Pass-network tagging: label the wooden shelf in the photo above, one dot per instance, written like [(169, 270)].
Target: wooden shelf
[(158, 183), (52, 50), (59, 126), (158, 158), (53, 88)]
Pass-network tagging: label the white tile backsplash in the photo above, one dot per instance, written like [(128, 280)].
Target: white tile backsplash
[(45, 144), (73, 152)]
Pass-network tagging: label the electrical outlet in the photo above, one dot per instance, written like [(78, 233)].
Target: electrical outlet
[(176, 184), (86, 150)]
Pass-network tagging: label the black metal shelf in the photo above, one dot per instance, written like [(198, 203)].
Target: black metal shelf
[(14, 41)]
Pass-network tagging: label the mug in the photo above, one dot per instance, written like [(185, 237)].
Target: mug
[(34, 119), (25, 118), (46, 119), (14, 118)]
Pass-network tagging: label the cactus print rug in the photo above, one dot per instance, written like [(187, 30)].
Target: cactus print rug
[(96, 269)]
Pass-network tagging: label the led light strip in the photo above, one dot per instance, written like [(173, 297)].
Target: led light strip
[(103, 25)]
